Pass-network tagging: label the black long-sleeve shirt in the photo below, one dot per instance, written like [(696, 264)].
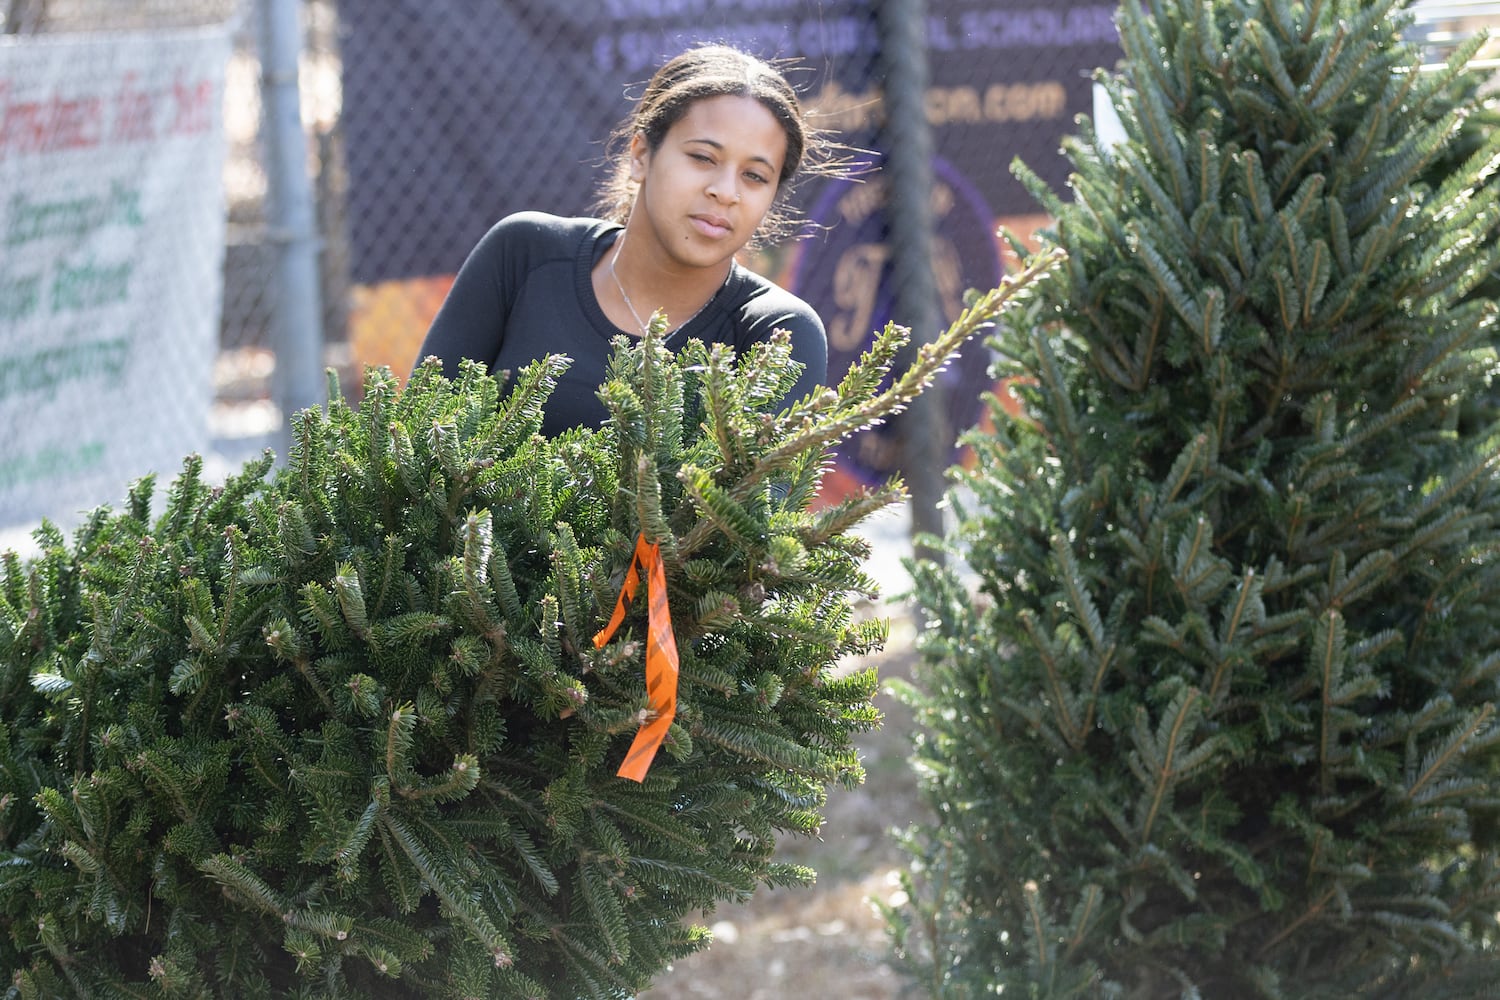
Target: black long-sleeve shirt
[(526, 291)]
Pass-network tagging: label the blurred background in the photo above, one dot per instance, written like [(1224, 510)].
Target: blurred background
[(207, 205)]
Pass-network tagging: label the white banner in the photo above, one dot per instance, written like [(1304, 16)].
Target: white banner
[(111, 262)]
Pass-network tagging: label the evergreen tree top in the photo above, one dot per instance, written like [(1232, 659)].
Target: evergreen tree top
[(1229, 695)]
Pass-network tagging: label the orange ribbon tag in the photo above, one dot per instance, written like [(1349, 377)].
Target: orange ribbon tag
[(661, 655)]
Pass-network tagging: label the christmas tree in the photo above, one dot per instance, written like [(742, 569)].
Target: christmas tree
[(1220, 719), (444, 708)]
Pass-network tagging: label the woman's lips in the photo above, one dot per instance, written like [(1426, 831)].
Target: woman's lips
[(713, 226)]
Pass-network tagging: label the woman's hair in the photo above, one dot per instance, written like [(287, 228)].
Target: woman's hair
[(704, 72)]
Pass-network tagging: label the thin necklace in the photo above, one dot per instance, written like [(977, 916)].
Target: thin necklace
[(620, 245)]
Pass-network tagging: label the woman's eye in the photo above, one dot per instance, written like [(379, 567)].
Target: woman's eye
[(701, 157), (757, 178)]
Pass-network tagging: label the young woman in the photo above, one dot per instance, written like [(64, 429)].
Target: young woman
[(709, 153)]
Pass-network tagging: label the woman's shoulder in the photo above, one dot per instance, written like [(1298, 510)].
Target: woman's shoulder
[(759, 300), (762, 306), (543, 228)]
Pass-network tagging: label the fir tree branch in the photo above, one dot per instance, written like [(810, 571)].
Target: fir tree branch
[(819, 434), (1455, 746)]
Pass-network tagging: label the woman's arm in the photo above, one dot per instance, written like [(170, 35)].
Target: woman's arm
[(471, 321)]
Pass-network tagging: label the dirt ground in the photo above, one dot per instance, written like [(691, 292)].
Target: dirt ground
[(827, 940)]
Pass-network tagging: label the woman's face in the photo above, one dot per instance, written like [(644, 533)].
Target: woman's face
[(706, 189)]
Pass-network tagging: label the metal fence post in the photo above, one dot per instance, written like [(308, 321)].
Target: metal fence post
[(907, 142), (297, 333)]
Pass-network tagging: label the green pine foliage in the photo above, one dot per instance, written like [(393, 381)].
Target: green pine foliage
[(1215, 716), (343, 730)]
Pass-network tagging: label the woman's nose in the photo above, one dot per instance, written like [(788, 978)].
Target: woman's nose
[(724, 188)]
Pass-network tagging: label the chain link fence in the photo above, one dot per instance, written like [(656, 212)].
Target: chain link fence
[(424, 124)]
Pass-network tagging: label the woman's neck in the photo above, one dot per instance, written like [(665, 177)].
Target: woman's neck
[(643, 282)]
